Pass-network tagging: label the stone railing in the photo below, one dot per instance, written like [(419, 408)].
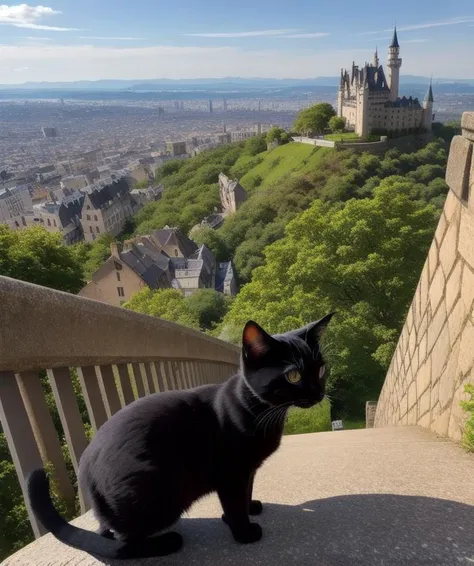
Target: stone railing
[(117, 356), (434, 357)]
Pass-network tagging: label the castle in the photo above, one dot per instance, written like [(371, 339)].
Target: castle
[(370, 102)]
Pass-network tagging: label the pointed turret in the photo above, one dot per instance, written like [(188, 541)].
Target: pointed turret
[(394, 63), (376, 58), (429, 94), (395, 39)]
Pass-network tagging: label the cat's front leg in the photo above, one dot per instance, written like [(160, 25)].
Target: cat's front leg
[(255, 506), (234, 497)]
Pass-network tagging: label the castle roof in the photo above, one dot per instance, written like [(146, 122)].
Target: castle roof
[(395, 39), (405, 102)]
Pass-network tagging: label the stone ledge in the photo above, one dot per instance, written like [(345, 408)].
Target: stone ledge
[(467, 125)]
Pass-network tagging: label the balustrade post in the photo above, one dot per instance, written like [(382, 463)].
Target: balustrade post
[(45, 433), (92, 396), (20, 438), (105, 375), (137, 374), (125, 384)]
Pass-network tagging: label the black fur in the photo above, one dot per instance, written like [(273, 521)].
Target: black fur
[(153, 459)]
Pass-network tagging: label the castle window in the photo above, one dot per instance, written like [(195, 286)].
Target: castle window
[(118, 275), (120, 292)]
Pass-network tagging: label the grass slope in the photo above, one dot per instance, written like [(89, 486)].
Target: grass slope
[(281, 161)]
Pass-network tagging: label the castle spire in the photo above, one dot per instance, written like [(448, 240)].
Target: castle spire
[(395, 39), (376, 58), (429, 93)]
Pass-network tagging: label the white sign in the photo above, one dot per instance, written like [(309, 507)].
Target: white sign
[(337, 425)]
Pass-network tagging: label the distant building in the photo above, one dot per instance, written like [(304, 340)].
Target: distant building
[(195, 272), (148, 194), (225, 279), (210, 106), (16, 207), (126, 273), (49, 132), (107, 205), (74, 182), (176, 148), (173, 242), (63, 217), (232, 194), (370, 101)]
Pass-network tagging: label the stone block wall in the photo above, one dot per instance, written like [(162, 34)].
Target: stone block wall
[(434, 357)]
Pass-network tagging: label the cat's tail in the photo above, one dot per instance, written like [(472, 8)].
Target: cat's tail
[(88, 541)]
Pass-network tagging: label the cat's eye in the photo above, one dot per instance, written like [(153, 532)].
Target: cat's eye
[(293, 377), (322, 371)]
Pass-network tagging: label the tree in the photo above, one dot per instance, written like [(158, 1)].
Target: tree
[(362, 259), (208, 307), (163, 303), (315, 119), (277, 133), (98, 253), (256, 145), (212, 239), (40, 257), (337, 124)]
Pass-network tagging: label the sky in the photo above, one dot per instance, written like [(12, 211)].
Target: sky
[(70, 40)]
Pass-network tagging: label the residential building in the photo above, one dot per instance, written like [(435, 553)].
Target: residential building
[(173, 242), (107, 205), (74, 182), (63, 217), (370, 102), (126, 273), (225, 279), (16, 207), (148, 194), (195, 272)]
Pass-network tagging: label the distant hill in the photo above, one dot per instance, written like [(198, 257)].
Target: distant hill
[(225, 83)]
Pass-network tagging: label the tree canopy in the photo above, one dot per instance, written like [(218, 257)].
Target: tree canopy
[(278, 134), (315, 119), (337, 124), (361, 259), (202, 310), (38, 256)]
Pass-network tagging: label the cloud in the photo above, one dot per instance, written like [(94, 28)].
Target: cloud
[(113, 38), (306, 35), (426, 25), (24, 16), (260, 33), (33, 38)]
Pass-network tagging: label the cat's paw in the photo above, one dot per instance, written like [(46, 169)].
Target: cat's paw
[(255, 507), (251, 533)]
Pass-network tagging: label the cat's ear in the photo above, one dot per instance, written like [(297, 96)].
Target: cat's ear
[(313, 331), (255, 341)]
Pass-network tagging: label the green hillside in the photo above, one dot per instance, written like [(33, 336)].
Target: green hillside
[(281, 161)]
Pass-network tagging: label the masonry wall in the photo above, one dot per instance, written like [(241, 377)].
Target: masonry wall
[(434, 357)]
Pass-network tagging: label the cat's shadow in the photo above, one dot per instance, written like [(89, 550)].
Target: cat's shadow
[(351, 530)]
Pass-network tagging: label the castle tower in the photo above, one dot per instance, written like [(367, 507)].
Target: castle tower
[(394, 63), (340, 94), (376, 58), (428, 109)]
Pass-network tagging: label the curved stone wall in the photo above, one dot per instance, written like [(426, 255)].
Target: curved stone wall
[(434, 357)]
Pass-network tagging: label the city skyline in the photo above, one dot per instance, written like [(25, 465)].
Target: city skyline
[(69, 41)]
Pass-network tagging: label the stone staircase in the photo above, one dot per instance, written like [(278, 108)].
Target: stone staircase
[(387, 497)]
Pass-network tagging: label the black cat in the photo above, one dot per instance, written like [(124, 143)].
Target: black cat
[(153, 459)]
